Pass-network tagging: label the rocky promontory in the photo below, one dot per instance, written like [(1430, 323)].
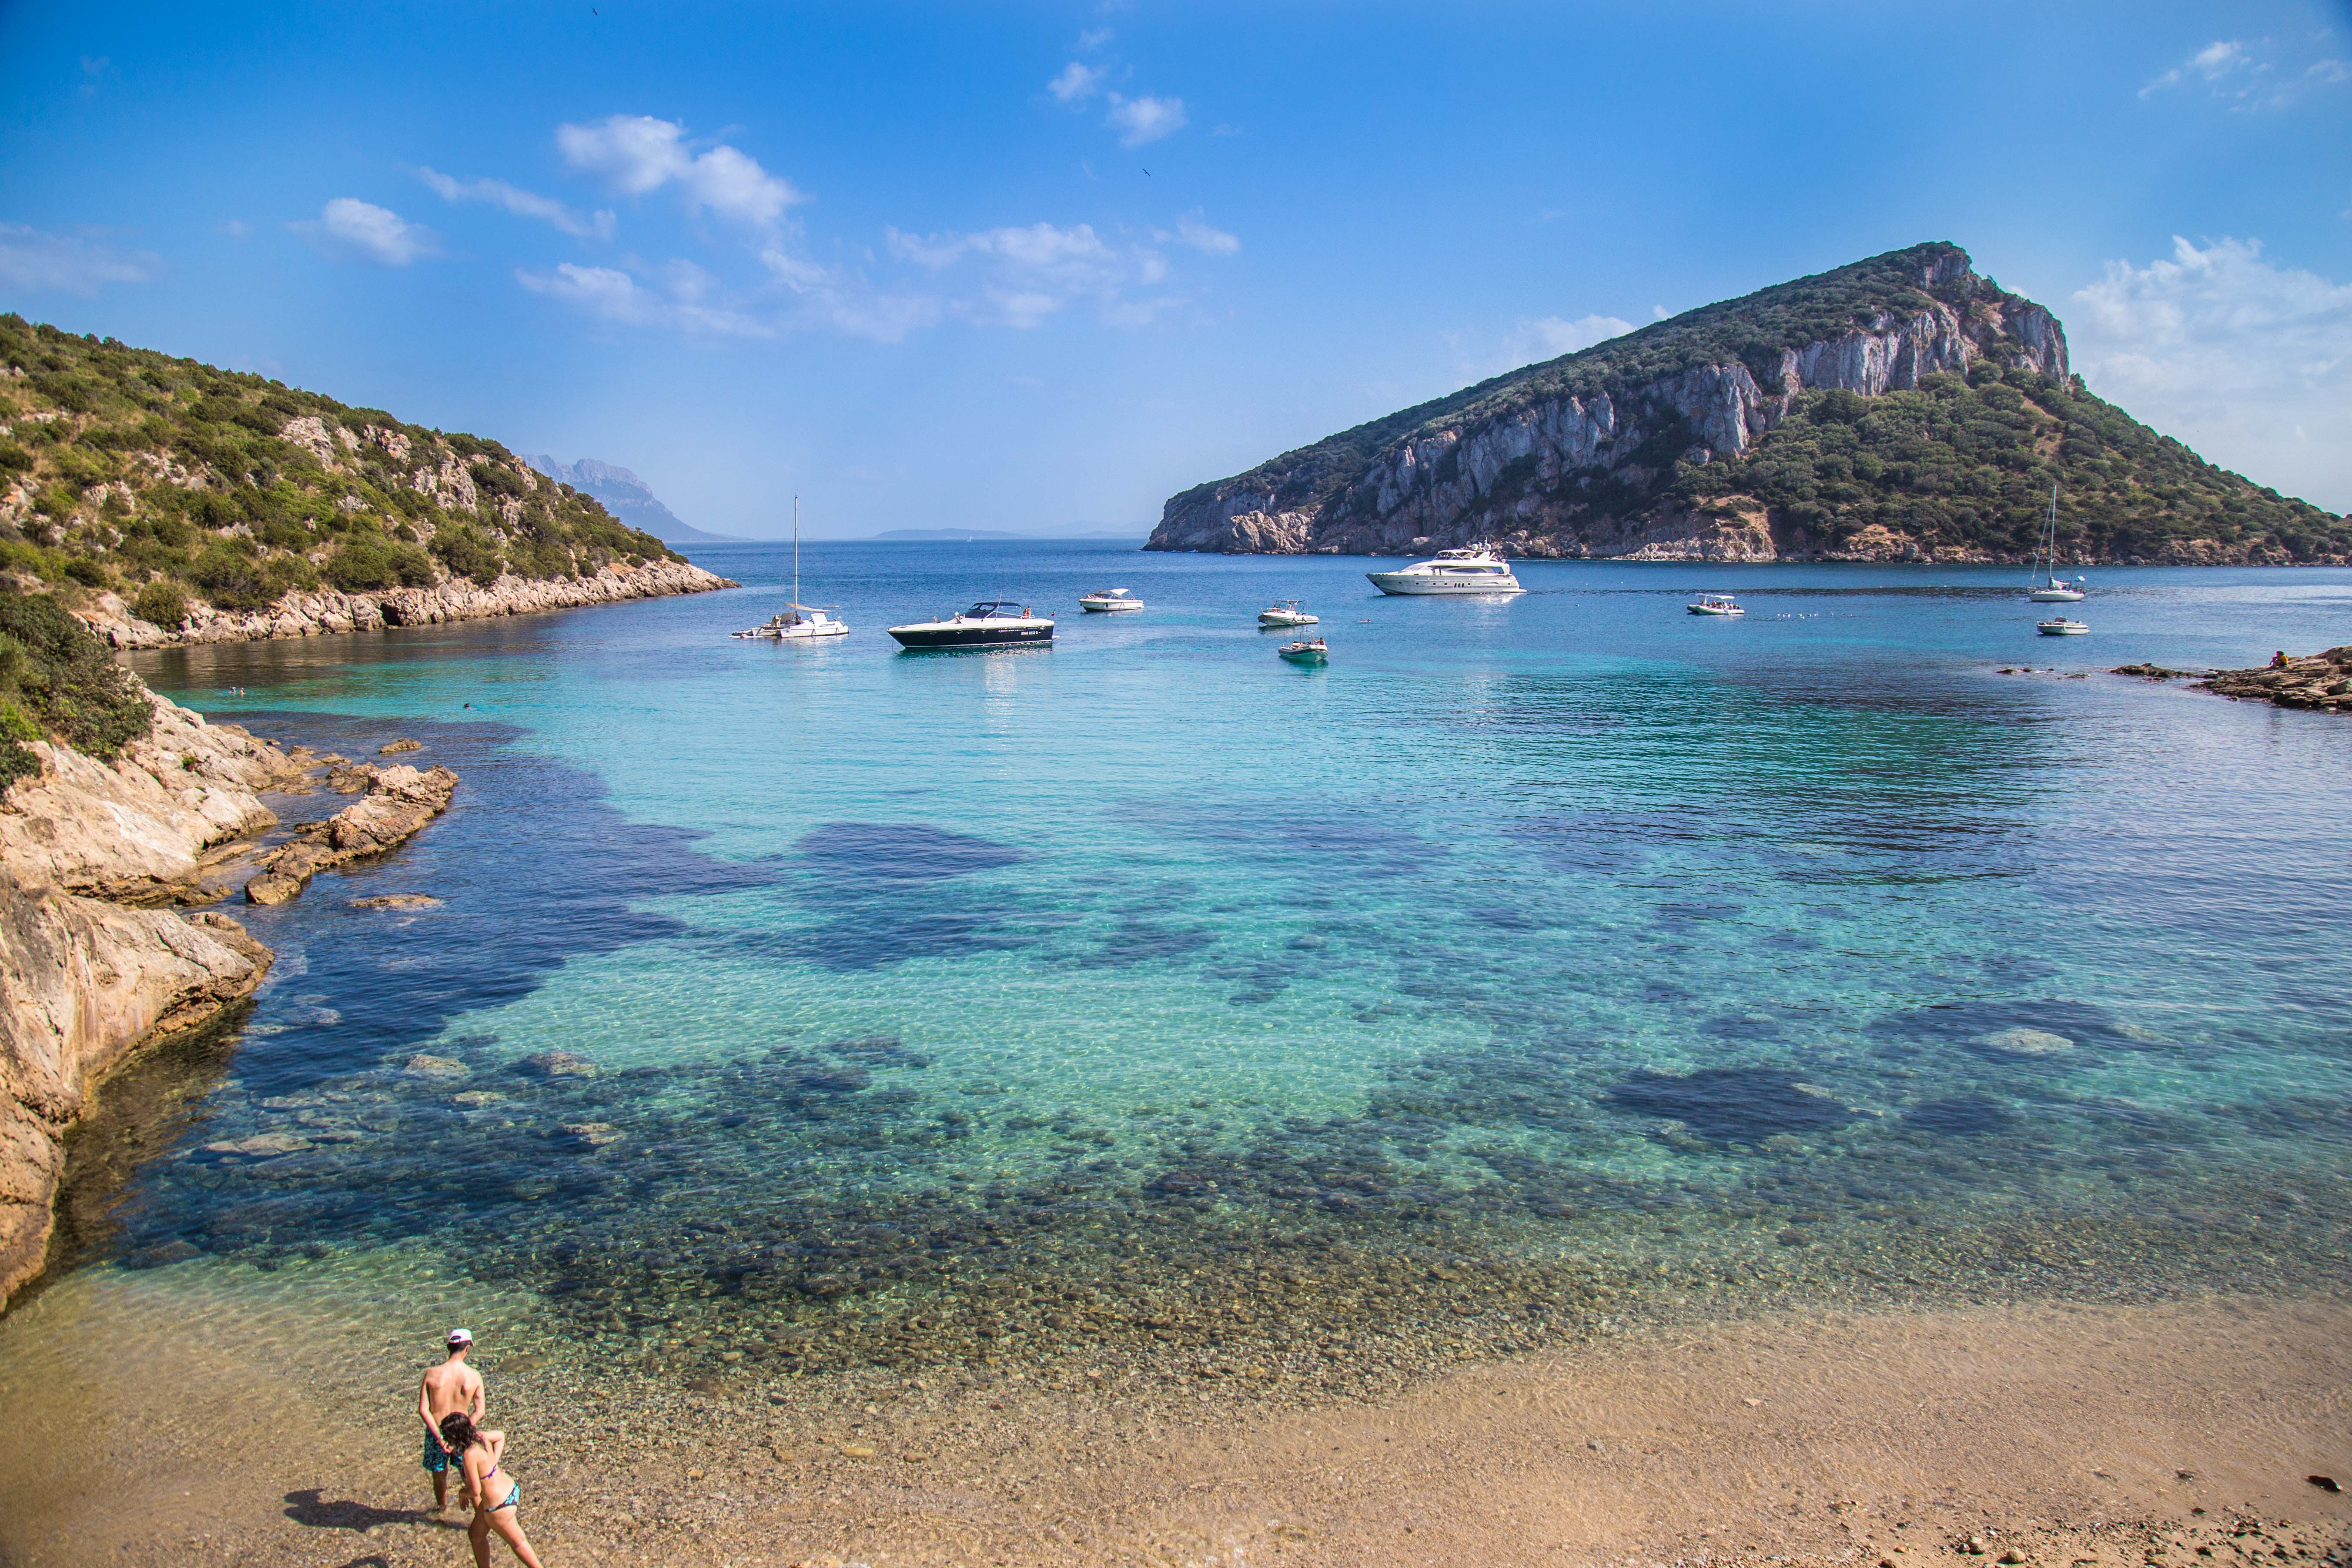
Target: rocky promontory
[(98, 956), (94, 963), (2321, 680), (398, 803), (1900, 408), (459, 599)]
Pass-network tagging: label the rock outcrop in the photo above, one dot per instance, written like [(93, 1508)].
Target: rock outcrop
[(2322, 681), (398, 803), (1669, 443), (87, 976), (459, 599)]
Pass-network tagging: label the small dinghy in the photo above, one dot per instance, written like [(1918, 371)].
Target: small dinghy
[(2060, 626), (1287, 613), (1309, 652), (1110, 600), (1715, 604)]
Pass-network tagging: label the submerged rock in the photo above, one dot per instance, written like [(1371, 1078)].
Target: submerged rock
[(425, 1066), (400, 745), (2024, 1042), (397, 901), (555, 1064)]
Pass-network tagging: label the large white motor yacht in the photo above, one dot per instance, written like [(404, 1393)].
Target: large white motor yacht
[(1474, 569)]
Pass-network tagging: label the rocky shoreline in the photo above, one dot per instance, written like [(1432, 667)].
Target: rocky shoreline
[(459, 599), (96, 963), (2320, 681)]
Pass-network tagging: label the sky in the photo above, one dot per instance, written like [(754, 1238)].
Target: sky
[(1036, 267)]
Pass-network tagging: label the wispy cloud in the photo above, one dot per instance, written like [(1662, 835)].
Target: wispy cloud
[(2248, 362), (2255, 76), (1076, 84), (1531, 341), (1141, 120), (519, 202), (636, 154), (348, 226), (39, 262), (1194, 230), (1029, 273)]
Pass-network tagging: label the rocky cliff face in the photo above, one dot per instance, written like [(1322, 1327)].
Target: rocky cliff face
[(1573, 464), (92, 967), (310, 615)]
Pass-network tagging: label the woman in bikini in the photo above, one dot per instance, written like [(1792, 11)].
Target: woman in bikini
[(495, 1496)]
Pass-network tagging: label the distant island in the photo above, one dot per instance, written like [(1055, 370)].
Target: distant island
[(627, 497), (1901, 408), (162, 499)]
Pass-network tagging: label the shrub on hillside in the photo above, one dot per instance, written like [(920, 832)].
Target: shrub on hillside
[(367, 564), (469, 553), (160, 603), (55, 672)]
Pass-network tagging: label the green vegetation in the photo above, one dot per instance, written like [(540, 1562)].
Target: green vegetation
[(1968, 463), (171, 482), (57, 678)]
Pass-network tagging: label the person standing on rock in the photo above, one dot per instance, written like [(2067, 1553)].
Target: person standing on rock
[(453, 1386)]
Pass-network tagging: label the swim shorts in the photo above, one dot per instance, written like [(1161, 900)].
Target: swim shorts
[(437, 1457)]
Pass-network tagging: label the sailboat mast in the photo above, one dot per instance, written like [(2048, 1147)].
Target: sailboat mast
[(796, 549)]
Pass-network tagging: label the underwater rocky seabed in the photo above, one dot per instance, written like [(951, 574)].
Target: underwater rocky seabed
[(1538, 969)]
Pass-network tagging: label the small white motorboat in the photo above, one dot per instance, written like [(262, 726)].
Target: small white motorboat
[(2060, 626), (1109, 601), (1287, 613), (1309, 652), (1715, 604)]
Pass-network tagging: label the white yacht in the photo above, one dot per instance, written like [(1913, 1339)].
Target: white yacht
[(1110, 601), (1715, 604), (2060, 626), (1287, 613), (1474, 569)]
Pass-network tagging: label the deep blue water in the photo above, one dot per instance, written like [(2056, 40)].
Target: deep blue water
[(1534, 932)]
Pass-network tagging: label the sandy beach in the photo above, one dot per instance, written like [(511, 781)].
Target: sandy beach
[(2067, 1434)]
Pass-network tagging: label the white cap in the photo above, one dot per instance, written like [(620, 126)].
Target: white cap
[(461, 1336)]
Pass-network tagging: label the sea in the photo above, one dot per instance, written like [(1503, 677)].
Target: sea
[(1538, 965)]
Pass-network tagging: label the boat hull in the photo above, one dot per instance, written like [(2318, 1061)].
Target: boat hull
[(1317, 657), (2070, 629), (1109, 606), (1407, 585), (2056, 596), (979, 633)]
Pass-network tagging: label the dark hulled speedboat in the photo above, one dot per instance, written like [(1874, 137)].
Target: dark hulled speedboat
[(984, 624)]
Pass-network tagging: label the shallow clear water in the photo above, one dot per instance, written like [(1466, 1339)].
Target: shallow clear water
[(1156, 986)]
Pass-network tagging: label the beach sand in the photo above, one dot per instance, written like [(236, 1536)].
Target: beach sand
[(2068, 1434)]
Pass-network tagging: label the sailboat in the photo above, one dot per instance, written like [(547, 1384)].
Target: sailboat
[(2045, 587), (799, 621)]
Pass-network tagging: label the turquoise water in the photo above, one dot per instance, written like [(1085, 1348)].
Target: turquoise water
[(944, 1005)]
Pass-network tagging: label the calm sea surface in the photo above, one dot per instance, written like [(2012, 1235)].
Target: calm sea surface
[(1536, 960)]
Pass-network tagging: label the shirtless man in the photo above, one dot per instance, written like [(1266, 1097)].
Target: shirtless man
[(452, 1385)]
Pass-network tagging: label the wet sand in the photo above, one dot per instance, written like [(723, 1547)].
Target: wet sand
[(2069, 1434)]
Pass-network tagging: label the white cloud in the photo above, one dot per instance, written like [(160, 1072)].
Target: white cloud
[(1030, 272), (36, 261), (237, 228), (1531, 341), (1094, 37), (636, 154), (1192, 231), (519, 202), (683, 296), (2249, 362), (1141, 120), (2250, 76), (684, 301), (349, 227), (1076, 84)]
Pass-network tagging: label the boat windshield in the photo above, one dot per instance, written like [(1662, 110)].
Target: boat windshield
[(986, 609)]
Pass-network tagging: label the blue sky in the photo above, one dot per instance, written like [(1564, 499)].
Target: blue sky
[(1026, 266)]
